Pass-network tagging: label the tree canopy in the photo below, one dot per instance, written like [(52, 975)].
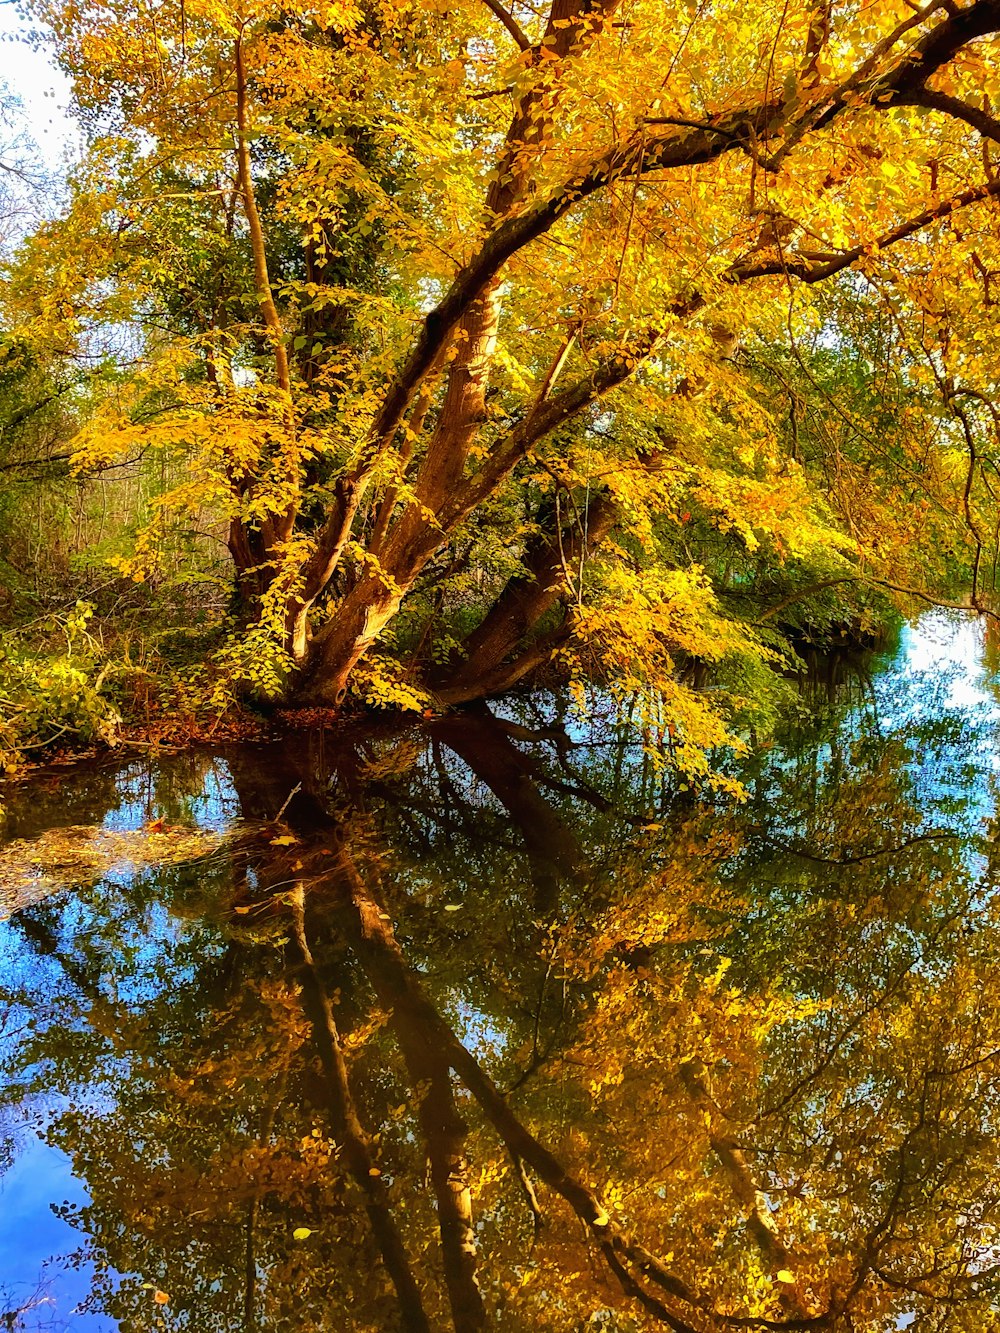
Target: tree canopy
[(483, 336), (591, 336)]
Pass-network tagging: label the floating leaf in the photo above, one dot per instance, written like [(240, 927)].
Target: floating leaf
[(786, 1275), (302, 1233), (161, 1298), (286, 840)]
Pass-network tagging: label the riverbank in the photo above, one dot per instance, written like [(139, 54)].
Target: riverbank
[(78, 688)]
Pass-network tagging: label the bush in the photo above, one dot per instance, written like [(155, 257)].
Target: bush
[(46, 694)]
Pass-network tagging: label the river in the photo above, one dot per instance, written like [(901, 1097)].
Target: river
[(494, 1023)]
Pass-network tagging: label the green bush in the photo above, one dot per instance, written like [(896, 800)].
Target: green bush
[(46, 694)]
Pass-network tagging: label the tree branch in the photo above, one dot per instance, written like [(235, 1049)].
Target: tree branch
[(261, 276), (812, 268), (509, 22), (700, 143), (799, 593), (987, 125)]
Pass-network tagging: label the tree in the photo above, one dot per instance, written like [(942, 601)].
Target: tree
[(441, 304)]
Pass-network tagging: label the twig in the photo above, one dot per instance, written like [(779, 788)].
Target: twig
[(528, 1189), (288, 800)]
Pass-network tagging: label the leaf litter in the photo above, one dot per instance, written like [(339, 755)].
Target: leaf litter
[(79, 855)]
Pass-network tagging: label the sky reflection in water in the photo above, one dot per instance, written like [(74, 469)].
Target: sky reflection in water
[(163, 930)]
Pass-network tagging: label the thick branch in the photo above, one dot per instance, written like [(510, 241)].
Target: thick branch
[(818, 268), (530, 594), (740, 129), (533, 657), (987, 125)]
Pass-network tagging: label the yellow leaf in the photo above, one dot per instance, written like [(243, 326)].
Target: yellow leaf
[(286, 840), (786, 1275), (302, 1233)]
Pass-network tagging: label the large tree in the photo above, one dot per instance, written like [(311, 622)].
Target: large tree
[(444, 300)]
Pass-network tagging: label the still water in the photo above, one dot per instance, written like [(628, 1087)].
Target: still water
[(491, 1024)]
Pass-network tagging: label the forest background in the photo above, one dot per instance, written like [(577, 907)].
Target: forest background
[(411, 353)]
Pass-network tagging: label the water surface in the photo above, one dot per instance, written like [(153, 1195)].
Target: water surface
[(494, 1023)]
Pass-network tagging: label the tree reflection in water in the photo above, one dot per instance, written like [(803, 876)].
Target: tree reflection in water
[(482, 1026)]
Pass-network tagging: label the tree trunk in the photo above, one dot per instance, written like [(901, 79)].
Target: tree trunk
[(421, 528), (552, 559)]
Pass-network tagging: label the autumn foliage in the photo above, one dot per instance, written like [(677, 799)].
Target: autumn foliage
[(591, 338)]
